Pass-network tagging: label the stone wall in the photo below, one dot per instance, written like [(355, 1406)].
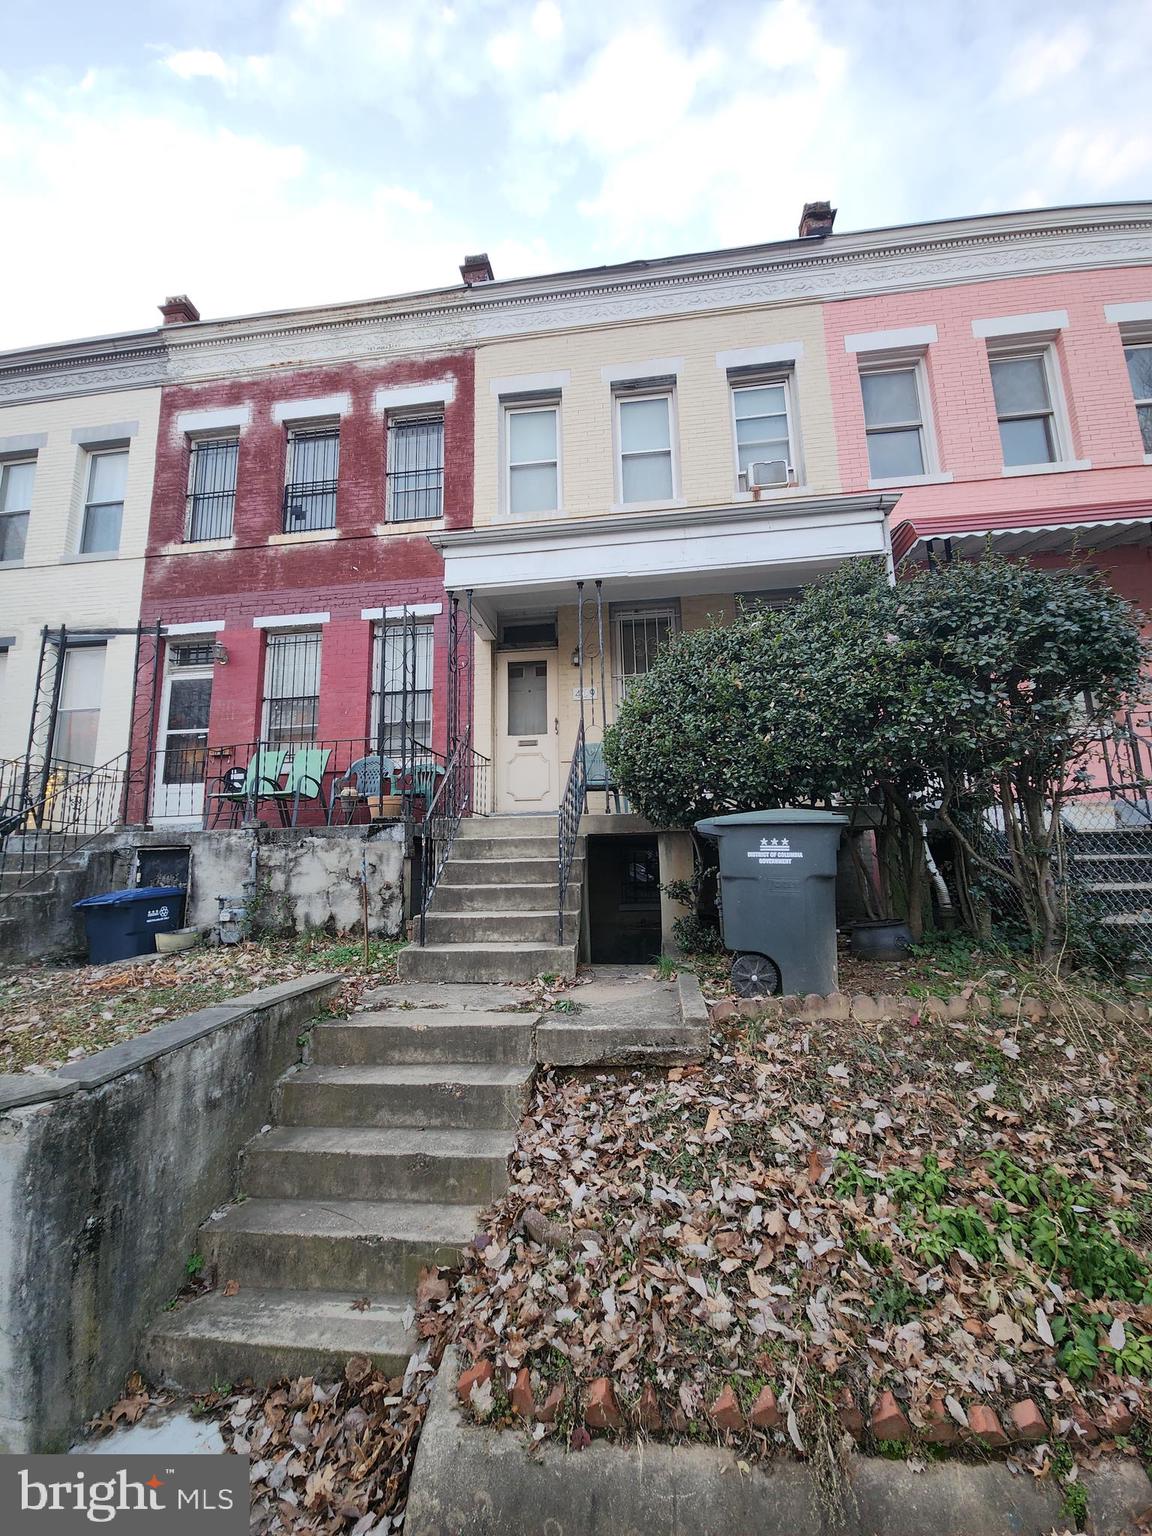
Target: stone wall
[(107, 1170)]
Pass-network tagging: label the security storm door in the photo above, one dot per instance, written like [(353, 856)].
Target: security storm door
[(181, 763), (526, 725)]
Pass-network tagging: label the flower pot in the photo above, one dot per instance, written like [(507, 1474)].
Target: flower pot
[(386, 807), (176, 939), (889, 939)]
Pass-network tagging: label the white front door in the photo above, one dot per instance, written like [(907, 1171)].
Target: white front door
[(526, 725), (181, 761)]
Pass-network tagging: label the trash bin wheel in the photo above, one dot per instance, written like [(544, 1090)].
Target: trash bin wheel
[(755, 976)]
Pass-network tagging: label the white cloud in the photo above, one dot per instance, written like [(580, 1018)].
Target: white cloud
[(547, 22), (199, 63), (788, 38), (1040, 61)]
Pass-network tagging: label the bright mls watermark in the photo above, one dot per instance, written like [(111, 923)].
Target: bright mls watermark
[(62, 1495)]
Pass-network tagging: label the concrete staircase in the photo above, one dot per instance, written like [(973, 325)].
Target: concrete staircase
[(383, 1151), (493, 913)]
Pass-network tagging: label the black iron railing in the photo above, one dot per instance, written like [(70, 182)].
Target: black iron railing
[(463, 791), (309, 505), (52, 810), (209, 515), (571, 811)]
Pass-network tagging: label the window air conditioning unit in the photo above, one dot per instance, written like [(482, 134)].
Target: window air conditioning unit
[(762, 474)]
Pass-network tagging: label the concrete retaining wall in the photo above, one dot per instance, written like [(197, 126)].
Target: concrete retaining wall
[(307, 878), (107, 1170)]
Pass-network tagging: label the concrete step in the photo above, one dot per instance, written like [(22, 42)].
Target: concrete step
[(508, 826), (539, 897), (423, 1035), (450, 1095), (481, 927), (486, 962), (261, 1335), (338, 1163), (363, 1246), (534, 871), (511, 846)]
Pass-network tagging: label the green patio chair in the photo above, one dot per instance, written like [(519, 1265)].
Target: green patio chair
[(239, 787), (305, 782), (597, 774)]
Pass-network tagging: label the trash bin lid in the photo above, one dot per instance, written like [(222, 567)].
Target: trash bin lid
[(136, 893), (782, 818)]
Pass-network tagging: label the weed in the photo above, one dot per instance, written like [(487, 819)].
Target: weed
[(193, 1265)]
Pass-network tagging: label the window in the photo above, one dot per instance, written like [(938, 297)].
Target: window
[(15, 503), (212, 488), (894, 422), (533, 458), (640, 633), (402, 687), (313, 468), (645, 440), (78, 710), (291, 688), (1139, 360), (104, 504), (1022, 386), (763, 436), (415, 468)]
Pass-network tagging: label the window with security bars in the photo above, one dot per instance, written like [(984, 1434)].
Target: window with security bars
[(402, 687), (291, 688), (211, 488), (640, 634), (415, 468), (313, 471), (16, 480), (1139, 360)]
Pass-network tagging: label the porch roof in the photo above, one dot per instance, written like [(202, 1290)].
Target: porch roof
[(678, 552), (1027, 532)]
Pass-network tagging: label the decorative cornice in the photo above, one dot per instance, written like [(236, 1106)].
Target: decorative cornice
[(787, 272)]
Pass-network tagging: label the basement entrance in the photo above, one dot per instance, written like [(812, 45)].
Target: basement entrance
[(623, 884)]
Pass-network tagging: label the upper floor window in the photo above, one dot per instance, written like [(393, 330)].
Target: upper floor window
[(291, 688), (894, 422), (644, 438), (16, 480), (313, 471), (1139, 360), (212, 488), (1022, 385), (104, 502), (415, 468), (762, 416), (532, 438)]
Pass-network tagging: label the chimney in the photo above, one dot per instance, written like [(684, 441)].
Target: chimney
[(477, 269), (178, 309), (817, 219)]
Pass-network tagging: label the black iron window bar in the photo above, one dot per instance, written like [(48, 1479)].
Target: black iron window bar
[(212, 489), (415, 468), (313, 468)]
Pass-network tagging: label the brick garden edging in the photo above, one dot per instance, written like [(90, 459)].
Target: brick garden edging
[(883, 1007)]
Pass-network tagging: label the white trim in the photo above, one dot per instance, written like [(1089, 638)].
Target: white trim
[(783, 380), (893, 482), (205, 627), (1045, 320), (510, 408), (1062, 467), (531, 383), (290, 620), (907, 338), (234, 416), (400, 397), (306, 536), (117, 432), (636, 373), (665, 392), (1121, 314), (312, 410), (417, 610), (760, 357)]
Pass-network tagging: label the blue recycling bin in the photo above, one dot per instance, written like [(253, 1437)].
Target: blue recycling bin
[(121, 924)]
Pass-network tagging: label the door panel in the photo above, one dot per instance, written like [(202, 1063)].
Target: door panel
[(181, 760), (526, 745)]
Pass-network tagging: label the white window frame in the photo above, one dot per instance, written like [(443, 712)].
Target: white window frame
[(196, 442), (1130, 340), (11, 513), (758, 380), (267, 700), (915, 362), (305, 427), (520, 407), (623, 393), (1014, 349), (91, 455), (411, 417)]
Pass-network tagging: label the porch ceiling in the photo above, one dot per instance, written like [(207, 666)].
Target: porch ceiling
[(663, 554)]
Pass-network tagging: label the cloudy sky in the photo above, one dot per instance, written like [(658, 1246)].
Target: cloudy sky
[(260, 153)]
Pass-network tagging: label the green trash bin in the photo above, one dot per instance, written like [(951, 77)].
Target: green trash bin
[(778, 898)]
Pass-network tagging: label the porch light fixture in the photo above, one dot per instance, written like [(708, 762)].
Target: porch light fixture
[(220, 654)]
